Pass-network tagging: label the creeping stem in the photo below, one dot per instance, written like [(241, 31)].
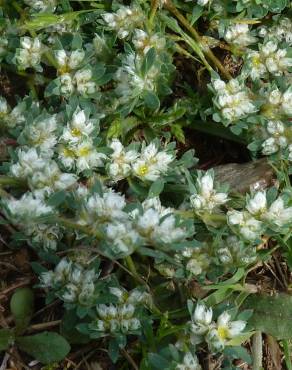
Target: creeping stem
[(205, 48)]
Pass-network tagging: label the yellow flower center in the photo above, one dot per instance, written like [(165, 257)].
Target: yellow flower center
[(68, 152), (83, 152), (143, 170), (75, 132), (256, 61), (223, 332), (64, 69)]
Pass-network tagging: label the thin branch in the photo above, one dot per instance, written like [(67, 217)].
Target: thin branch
[(205, 48)]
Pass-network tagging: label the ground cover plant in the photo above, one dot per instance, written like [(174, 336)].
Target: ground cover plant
[(146, 202)]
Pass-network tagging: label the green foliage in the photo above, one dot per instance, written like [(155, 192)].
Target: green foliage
[(271, 314), (22, 307), (148, 254), (46, 347)]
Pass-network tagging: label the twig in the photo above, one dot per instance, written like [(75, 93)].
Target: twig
[(154, 7), (132, 268), (257, 351), (4, 362), (21, 284), (43, 326), (130, 359), (206, 50)]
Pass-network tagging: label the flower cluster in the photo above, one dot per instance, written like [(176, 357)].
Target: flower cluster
[(239, 35), (148, 165), (71, 282), (29, 54), (234, 101), (269, 59), (124, 21), (42, 6), (98, 174), (217, 334), (259, 215), (77, 149), (207, 199), (121, 317)]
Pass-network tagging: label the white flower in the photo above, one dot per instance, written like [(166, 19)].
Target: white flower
[(131, 82), (202, 316), (275, 59), (62, 271), (207, 198), (258, 204), (287, 102), (78, 128), (28, 163), (144, 42), (41, 134), (119, 293), (233, 100), (201, 323), (84, 83), (278, 139), (224, 331), (52, 179), (190, 362), (122, 238), (256, 65), (29, 55), (152, 163), (124, 20), (42, 5), (238, 34), (155, 203), (69, 61), (219, 85), (248, 226), (278, 214), (4, 108), (147, 222), (121, 160), (67, 84), (203, 2), (87, 157), (45, 235), (27, 207), (106, 208), (167, 231)]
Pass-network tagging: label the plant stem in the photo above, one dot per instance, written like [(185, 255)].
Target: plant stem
[(154, 7), (131, 266), (287, 354), (130, 359), (7, 180), (205, 48), (257, 351)]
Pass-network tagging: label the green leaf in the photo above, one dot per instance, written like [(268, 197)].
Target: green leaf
[(239, 339), (157, 361), (57, 198), (178, 133), (113, 350), (22, 306), (6, 338), (148, 61), (271, 315), (156, 188), (46, 347), (115, 129), (151, 100)]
